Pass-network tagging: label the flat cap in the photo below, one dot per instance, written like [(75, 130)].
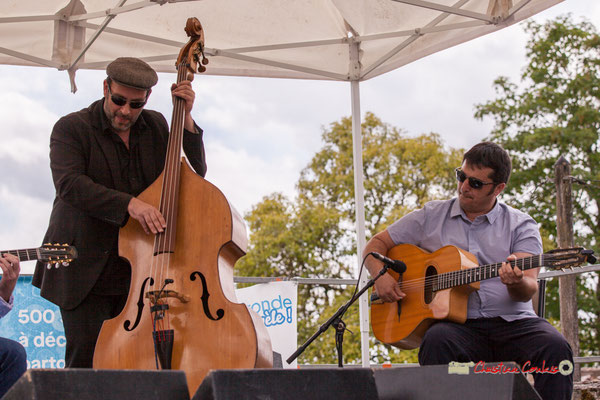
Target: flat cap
[(132, 72)]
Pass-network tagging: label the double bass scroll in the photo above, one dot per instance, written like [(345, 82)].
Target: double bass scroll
[(181, 311)]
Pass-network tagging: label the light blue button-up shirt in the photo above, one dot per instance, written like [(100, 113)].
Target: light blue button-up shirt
[(5, 306), (491, 238)]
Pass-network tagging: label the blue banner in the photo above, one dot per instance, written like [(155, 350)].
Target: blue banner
[(37, 325)]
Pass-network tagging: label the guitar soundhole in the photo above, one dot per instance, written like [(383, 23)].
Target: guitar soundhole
[(430, 283)]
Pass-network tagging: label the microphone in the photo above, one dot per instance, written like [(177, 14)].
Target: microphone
[(395, 265)]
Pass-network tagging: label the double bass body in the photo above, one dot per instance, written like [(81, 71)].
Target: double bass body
[(210, 331)]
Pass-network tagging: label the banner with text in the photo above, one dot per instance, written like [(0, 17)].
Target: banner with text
[(276, 303), (37, 325)]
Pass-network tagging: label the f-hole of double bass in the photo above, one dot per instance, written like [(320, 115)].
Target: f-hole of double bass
[(205, 296), (140, 306)]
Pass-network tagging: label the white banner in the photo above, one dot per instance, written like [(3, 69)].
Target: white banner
[(276, 303)]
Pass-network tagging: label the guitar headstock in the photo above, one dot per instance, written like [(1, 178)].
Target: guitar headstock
[(57, 253), (568, 258)]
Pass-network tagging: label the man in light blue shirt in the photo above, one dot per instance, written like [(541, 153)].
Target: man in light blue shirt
[(501, 324), (13, 359)]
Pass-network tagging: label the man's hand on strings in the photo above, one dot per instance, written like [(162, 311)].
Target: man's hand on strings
[(147, 215), (388, 289)]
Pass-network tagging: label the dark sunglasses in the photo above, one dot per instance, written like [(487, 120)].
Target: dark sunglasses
[(121, 101), (473, 182)]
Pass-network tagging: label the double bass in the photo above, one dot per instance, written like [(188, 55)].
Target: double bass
[(181, 311)]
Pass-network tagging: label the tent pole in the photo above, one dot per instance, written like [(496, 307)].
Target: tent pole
[(359, 200)]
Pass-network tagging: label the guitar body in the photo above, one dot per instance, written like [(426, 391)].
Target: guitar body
[(403, 324)]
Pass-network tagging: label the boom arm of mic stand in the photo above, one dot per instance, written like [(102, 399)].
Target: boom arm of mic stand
[(337, 314)]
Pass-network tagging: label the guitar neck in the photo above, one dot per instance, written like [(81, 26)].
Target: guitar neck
[(23, 254), (483, 272)]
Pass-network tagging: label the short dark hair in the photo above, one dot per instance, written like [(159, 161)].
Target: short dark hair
[(490, 155)]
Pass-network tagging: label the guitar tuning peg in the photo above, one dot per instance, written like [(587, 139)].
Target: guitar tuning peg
[(65, 263)]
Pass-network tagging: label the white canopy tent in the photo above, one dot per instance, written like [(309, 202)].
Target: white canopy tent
[(340, 40)]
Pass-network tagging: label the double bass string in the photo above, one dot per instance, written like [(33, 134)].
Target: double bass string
[(164, 242)]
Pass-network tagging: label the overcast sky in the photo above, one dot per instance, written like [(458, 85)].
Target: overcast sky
[(259, 133)]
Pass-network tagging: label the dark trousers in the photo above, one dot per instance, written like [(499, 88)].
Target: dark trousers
[(531, 342), (82, 326), (13, 363)]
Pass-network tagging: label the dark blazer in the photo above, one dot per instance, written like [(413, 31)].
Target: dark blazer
[(91, 200)]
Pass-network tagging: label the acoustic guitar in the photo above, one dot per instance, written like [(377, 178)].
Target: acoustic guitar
[(438, 285), (48, 253)]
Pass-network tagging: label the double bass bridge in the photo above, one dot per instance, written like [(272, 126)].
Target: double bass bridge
[(156, 295)]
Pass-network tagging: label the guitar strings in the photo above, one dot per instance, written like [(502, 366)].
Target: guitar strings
[(456, 276)]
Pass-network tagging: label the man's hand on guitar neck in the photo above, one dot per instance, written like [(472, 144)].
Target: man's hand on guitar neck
[(10, 273), (521, 285), (387, 287)]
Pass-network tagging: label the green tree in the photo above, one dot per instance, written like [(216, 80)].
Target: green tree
[(313, 235), (556, 111)]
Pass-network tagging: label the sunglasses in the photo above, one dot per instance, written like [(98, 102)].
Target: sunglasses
[(121, 101), (473, 182)]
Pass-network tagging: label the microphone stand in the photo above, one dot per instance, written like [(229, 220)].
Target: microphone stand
[(339, 324)]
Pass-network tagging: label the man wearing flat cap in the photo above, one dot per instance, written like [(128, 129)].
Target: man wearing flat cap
[(102, 157)]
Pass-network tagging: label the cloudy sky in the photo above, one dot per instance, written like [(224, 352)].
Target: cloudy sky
[(259, 133)]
